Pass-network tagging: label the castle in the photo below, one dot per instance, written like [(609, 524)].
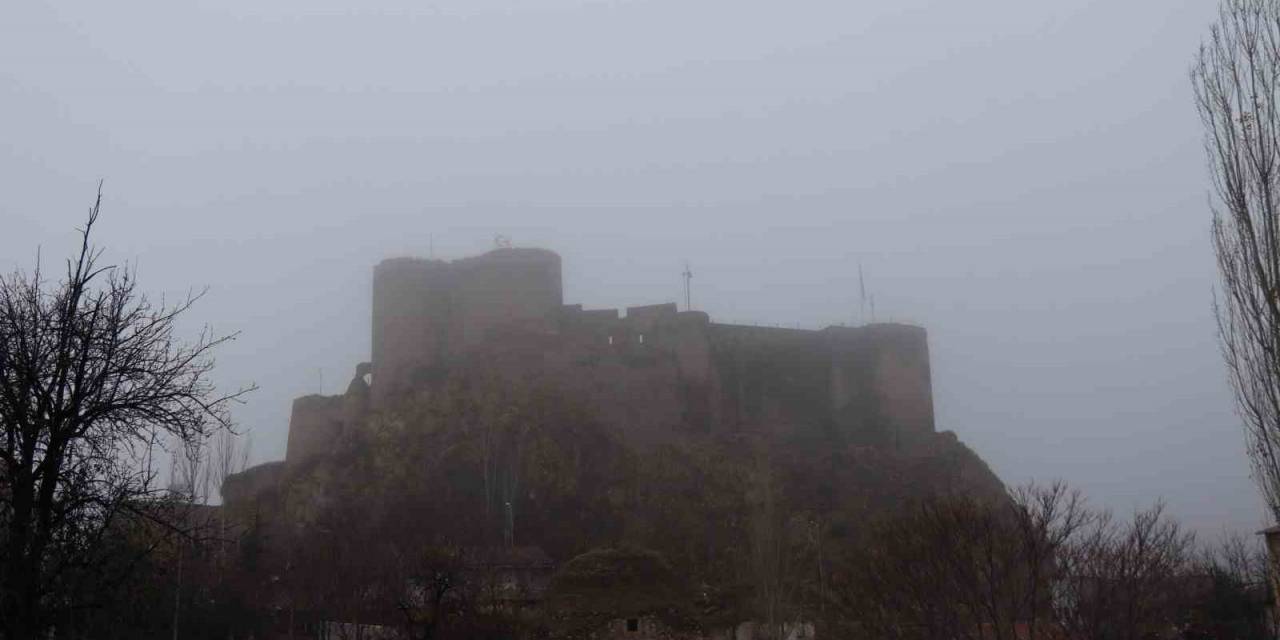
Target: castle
[(649, 372)]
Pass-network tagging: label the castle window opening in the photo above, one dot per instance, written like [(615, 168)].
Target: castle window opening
[(633, 624), (610, 339), (642, 338)]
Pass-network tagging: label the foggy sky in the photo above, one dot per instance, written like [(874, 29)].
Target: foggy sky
[(1025, 179)]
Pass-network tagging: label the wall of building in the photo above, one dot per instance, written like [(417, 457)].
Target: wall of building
[(880, 383), (315, 423), (632, 370), (427, 311), (505, 287), (241, 488), (769, 379), (902, 380), (654, 373), (412, 316), (652, 370)]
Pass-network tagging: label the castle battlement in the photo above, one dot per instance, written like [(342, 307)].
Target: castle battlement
[(651, 371)]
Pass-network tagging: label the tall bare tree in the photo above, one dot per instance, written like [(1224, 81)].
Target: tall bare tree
[(772, 533), (1236, 78), (92, 377), (1125, 580), (230, 456), (1039, 564)]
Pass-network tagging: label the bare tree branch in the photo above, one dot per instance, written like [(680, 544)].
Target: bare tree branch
[(1236, 78), (91, 373)]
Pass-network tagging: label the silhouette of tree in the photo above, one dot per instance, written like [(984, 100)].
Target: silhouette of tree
[(92, 378), (1125, 581), (1236, 593), (1038, 564), (1236, 78)]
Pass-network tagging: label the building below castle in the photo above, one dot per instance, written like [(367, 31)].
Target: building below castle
[(648, 371)]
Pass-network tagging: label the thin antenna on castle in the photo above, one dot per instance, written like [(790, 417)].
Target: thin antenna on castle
[(688, 275), (431, 246), (862, 296), (320, 371)]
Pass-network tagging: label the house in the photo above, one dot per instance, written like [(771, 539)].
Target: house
[(507, 577), (621, 593)]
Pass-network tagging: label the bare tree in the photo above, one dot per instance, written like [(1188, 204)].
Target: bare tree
[(189, 470), (1236, 78), (197, 467), (1235, 599), (961, 567), (428, 582), (1125, 581), (940, 569), (92, 377), (1046, 520), (230, 456), (772, 534)]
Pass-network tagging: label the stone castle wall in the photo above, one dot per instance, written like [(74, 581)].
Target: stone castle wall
[(427, 311), (411, 319), (649, 371)]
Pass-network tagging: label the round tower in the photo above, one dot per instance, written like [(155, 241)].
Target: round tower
[(411, 313), (901, 380), (880, 384), (507, 288)]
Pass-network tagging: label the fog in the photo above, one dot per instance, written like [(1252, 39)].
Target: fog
[(1025, 180)]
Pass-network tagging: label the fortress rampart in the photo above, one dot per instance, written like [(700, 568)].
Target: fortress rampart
[(649, 372), (426, 312)]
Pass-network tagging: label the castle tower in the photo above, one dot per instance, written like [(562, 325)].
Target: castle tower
[(901, 378), (503, 288), (315, 423), (426, 311), (412, 309), (880, 380)]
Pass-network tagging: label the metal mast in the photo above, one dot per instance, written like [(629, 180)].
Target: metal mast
[(688, 275)]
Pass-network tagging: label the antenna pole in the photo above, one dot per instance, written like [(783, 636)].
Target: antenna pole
[(862, 296), (688, 298)]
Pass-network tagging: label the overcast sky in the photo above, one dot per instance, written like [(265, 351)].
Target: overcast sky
[(1025, 179)]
